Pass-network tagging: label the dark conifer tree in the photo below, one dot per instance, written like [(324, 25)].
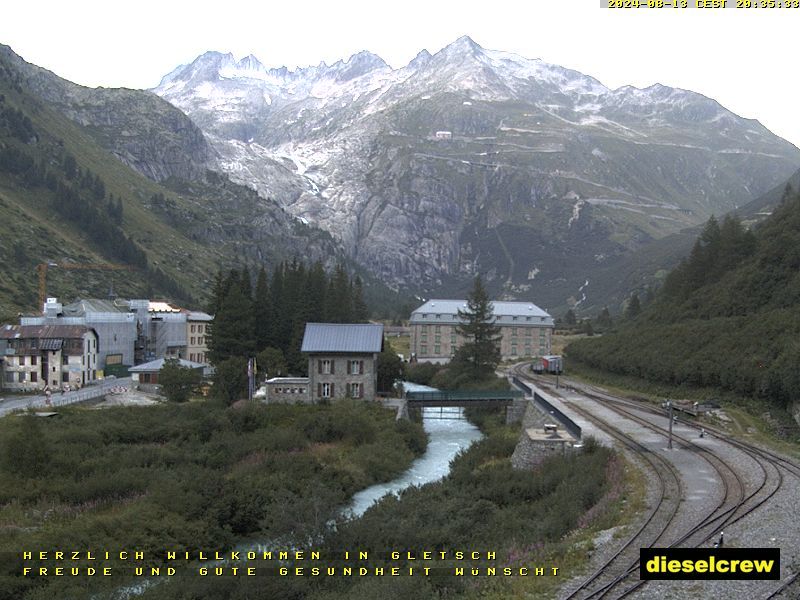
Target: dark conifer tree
[(360, 310), (634, 307), (315, 290), (232, 330), (479, 355), (340, 302), (280, 312), (262, 311), (604, 320)]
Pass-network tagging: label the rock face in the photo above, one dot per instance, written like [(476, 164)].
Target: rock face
[(144, 132), (538, 173)]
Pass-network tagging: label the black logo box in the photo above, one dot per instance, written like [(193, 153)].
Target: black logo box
[(689, 559)]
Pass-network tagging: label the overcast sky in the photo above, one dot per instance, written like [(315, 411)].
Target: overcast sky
[(745, 59)]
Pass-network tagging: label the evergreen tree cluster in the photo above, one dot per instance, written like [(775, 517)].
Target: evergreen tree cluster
[(79, 196), (718, 250), (15, 122), (270, 317), (728, 316)]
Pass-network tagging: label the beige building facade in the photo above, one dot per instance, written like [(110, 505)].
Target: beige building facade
[(53, 356), (197, 336), (526, 330)]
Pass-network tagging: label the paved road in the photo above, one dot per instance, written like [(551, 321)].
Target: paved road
[(12, 403)]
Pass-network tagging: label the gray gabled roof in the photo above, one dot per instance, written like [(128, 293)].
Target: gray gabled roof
[(342, 337), (156, 365), (446, 311)]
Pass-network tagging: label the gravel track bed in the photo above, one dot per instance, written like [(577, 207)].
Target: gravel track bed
[(772, 524)]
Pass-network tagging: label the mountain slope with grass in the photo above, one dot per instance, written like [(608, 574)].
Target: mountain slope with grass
[(65, 197)]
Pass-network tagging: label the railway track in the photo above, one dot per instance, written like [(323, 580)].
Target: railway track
[(665, 525)]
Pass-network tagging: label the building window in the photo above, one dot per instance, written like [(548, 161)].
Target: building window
[(513, 350), (424, 337), (34, 377), (527, 318), (453, 338), (21, 377), (201, 340), (326, 390), (200, 328), (528, 350), (424, 315), (438, 317), (437, 349), (65, 378), (513, 318), (325, 367), (513, 331), (356, 367), (437, 338), (192, 329), (355, 390), (9, 377), (528, 332), (33, 361), (423, 349), (438, 328), (64, 359)]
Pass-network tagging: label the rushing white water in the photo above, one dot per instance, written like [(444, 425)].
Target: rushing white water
[(446, 438)]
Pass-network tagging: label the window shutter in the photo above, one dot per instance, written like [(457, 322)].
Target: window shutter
[(319, 390), (319, 367), (361, 388), (361, 367), (333, 394)]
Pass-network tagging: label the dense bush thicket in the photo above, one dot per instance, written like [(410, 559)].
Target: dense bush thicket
[(728, 316), (483, 504), (185, 477)]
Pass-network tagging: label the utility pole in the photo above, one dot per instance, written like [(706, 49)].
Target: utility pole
[(669, 407), (251, 371)]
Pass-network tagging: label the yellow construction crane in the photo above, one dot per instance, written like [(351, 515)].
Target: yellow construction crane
[(42, 269)]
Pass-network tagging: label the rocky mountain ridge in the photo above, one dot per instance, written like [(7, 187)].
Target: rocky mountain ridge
[(537, 172)]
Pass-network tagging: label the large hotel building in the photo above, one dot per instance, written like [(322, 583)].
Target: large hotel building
[(526, 330)]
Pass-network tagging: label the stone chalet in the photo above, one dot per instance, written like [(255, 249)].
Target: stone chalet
[(36, 356), (525, 330), (342, 359), (342, 363)]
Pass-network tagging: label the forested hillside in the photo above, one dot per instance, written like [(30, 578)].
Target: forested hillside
[(728, 316), (65, 197)]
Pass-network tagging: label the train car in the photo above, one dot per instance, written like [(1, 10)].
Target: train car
[(551, 364)]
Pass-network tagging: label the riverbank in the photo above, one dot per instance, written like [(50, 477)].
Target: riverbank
[(511, 520), (185, 478)]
